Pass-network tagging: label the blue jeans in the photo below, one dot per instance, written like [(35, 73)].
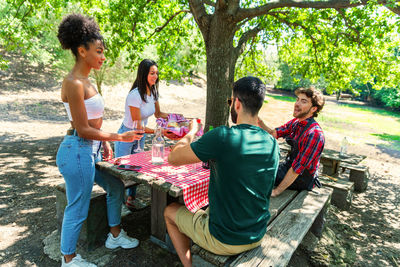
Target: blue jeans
[(127, 148), (76, 158)]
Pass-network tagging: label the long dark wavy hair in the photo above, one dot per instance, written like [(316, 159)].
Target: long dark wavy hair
[(141, 80)]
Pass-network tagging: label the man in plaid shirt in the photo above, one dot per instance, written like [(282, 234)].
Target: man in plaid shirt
[(306, 138)]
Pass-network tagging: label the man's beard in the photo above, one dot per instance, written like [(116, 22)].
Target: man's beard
[(303, 114), (234, 114)]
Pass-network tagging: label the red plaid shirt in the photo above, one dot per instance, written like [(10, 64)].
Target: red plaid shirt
[(311, 144)]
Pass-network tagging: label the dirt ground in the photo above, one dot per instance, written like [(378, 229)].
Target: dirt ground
[(33, 122)]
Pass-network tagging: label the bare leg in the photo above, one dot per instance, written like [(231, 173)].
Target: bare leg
[(115, 230), (69, 258), (181, 241)]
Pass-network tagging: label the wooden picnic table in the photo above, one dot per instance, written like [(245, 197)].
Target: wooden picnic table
[(331, 159), (330, 176), (162, 191)]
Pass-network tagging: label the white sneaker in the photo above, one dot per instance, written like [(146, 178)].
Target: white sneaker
[(122, 240), (77, 261)]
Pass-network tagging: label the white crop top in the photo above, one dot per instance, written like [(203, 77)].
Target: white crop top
[(94, 107)]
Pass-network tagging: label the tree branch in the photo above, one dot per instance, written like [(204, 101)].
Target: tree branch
[(233, 7), (243, 57), (262, 10), (198, 10), (26, 14), (305, 29), (395, 10), (209, 2), (16, 13), (221, 4), (134, 28), (340, 11), (135, 22), (243, 40), (160, 28)]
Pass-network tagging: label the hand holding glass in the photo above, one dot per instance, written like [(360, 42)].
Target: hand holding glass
[(138, 127)]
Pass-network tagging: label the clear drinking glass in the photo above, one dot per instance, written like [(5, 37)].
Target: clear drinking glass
[(138, 127)]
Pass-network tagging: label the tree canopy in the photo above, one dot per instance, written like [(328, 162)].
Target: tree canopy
[(338, 40)]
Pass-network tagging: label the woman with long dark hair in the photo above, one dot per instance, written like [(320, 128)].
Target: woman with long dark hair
[(141, 103), (80, 149)]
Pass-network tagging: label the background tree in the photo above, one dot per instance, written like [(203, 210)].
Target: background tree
[(316, 37), (334, 40), (29, 28)]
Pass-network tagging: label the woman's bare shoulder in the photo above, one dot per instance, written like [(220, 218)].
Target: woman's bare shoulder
[(72, 82), (70, 87)]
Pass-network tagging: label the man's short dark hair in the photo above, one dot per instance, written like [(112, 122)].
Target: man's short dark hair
[(251, 93), (317, 98)]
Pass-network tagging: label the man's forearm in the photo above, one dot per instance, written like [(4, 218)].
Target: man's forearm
[(186, 140), (289, 178), (182, 153), (266, 128)]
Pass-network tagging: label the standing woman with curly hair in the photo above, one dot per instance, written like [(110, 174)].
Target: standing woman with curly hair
[(80, 149)]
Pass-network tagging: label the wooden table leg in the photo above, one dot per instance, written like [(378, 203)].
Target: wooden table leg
[(329, 166), (158, 204), (335, 167)]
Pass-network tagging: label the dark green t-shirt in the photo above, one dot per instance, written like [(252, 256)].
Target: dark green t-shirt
[(244, 162)]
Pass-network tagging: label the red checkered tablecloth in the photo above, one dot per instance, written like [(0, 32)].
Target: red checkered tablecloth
[(192, 178)]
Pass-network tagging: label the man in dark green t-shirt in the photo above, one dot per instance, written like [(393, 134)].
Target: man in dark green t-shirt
[(243, 162)]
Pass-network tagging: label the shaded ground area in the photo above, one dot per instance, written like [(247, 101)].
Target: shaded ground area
[(27, 208), (27, 201), (32, 123)]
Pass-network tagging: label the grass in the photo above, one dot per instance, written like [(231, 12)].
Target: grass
[(392, 140), (388, 137), (282, 98), (373, 110), (363, 118), (364, 124)]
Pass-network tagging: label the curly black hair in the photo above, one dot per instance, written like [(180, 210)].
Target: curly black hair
[(76, 30)]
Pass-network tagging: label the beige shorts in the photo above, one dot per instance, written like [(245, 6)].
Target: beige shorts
[(195, 226)]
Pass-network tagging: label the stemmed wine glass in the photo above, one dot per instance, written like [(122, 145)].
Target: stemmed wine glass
[(138, 127)]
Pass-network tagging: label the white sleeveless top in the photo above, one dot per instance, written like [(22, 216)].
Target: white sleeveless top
[(94, 107)]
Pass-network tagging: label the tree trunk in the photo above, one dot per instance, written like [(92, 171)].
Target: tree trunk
[(338, 93), (99, 77), (220, 70)]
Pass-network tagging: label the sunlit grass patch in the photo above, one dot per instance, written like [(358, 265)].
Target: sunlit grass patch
[(282, 98), (332, 119), (392, 141), (373, 110), (388, 137), (361, 118)]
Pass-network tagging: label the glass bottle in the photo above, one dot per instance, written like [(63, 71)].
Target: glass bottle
[(157, 147), (343, 147)]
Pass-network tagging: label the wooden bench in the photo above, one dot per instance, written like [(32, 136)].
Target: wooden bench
[(95, 228), (359, 175), (342, 196), (293, 214), (331, 162), (346, 96)]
